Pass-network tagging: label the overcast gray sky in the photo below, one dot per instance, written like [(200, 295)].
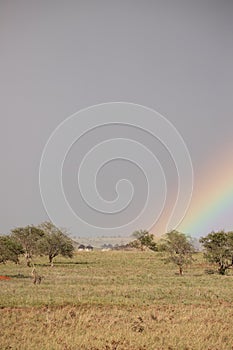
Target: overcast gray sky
[(58, 57)]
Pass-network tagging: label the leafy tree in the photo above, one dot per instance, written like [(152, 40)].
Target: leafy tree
[(10, 250), (218, 248), (28, 237), (179, 248), (144, 240), (55, 242)]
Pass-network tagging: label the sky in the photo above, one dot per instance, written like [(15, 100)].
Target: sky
[(172, 56)]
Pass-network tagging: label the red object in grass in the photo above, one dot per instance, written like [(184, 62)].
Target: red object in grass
[(4, 278)]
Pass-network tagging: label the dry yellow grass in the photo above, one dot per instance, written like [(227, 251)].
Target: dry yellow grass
[(115, 301)]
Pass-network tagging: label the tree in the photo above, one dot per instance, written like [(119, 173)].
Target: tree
[(55, 242), (10, 250), (218, 249), (144, 240), (179, 248), (28, 237)]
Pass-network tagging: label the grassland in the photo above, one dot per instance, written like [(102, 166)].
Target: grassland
[(115, 301)]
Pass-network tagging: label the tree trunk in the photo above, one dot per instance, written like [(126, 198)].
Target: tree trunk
[(28, 259), (222, 270), (51, 260)]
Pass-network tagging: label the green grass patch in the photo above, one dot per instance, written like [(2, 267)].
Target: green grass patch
[(115, 300)]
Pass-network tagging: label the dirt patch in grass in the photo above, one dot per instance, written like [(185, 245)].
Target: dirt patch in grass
[(4, 278)]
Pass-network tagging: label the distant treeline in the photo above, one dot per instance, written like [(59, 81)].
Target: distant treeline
[(48, 240)]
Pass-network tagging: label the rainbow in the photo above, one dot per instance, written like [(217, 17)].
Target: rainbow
[(212, 200), (206, 217)]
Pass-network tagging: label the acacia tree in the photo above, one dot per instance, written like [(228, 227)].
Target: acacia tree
[(55, 242), (179, 248), (218, 249), (10, 250), (144, 239), (29, 238)]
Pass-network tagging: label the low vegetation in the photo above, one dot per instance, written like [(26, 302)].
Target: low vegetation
[(130, 299), (115, 301)]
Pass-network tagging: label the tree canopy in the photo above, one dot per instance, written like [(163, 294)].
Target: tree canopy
[(44, 239), (144, 240), (10, 249), (179, 248), (218, 249), (28, 237), (55, 242)]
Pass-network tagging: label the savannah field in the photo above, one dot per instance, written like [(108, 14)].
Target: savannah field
[(115, 300)]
